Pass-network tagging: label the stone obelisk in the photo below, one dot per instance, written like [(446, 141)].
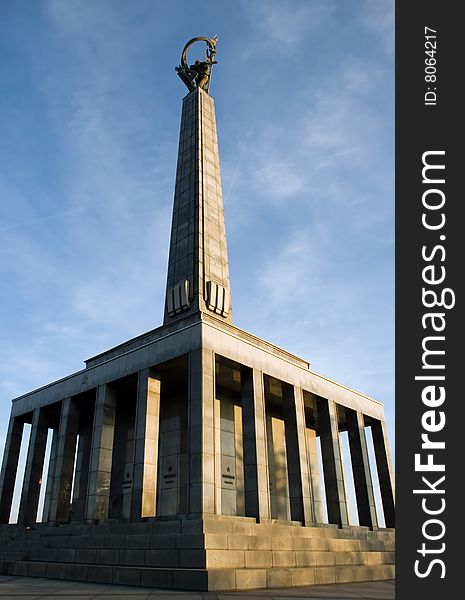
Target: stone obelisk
[(198, 272)]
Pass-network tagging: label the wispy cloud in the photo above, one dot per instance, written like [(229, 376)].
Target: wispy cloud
[(41, 219), (284, 26), (108, 265), (313, 159), (323, 315), (379, 18), (318, 176)]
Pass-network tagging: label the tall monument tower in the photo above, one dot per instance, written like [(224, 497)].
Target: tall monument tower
[(198, 272), (189, 456)]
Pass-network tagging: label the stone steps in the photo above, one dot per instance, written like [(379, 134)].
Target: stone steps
[(202, 579), (244, 526), (215, 551), (208, 541), (204, 558)]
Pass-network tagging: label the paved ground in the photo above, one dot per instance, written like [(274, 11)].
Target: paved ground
[(29, 588)]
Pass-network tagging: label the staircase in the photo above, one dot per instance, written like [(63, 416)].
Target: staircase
[(216, 553)]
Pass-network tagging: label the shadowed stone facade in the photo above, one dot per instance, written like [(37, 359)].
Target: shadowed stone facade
[(189, 457)]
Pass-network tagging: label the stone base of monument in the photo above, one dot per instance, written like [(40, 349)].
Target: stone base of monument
[(215, 553)]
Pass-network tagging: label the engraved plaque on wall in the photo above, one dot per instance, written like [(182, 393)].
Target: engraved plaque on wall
[(228, 472), (169, 474), (128, 475)]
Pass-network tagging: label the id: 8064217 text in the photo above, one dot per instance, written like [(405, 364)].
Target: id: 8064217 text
[(430, 66)]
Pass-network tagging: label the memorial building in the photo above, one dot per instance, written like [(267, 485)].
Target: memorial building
[(189, 457)]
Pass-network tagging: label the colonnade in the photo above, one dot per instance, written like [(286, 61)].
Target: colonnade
[(107, 460)]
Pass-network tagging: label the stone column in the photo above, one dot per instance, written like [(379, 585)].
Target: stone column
[(122, 466), (366, 506), (144, 491), (201, 432), (98, 488), (297, 460), (10, 466), (257, 495), (50, 478), (81, 474), (315, 479), (218, 456), (332, 463), (66, 450), (34, 466), (385, 471), (239, 449)]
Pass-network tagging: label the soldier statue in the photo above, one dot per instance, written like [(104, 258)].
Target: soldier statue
[(198, 74)]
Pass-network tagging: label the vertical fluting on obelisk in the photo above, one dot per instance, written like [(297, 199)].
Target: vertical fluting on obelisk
[(198, 272)]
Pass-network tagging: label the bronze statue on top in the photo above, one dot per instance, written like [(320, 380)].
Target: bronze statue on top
[(198, 74)]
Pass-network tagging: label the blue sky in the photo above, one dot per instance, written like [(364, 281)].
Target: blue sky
[(89, 120)]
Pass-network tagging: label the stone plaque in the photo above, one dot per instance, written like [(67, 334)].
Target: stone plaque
[(228, 472), (128, 478), (169, 473)]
